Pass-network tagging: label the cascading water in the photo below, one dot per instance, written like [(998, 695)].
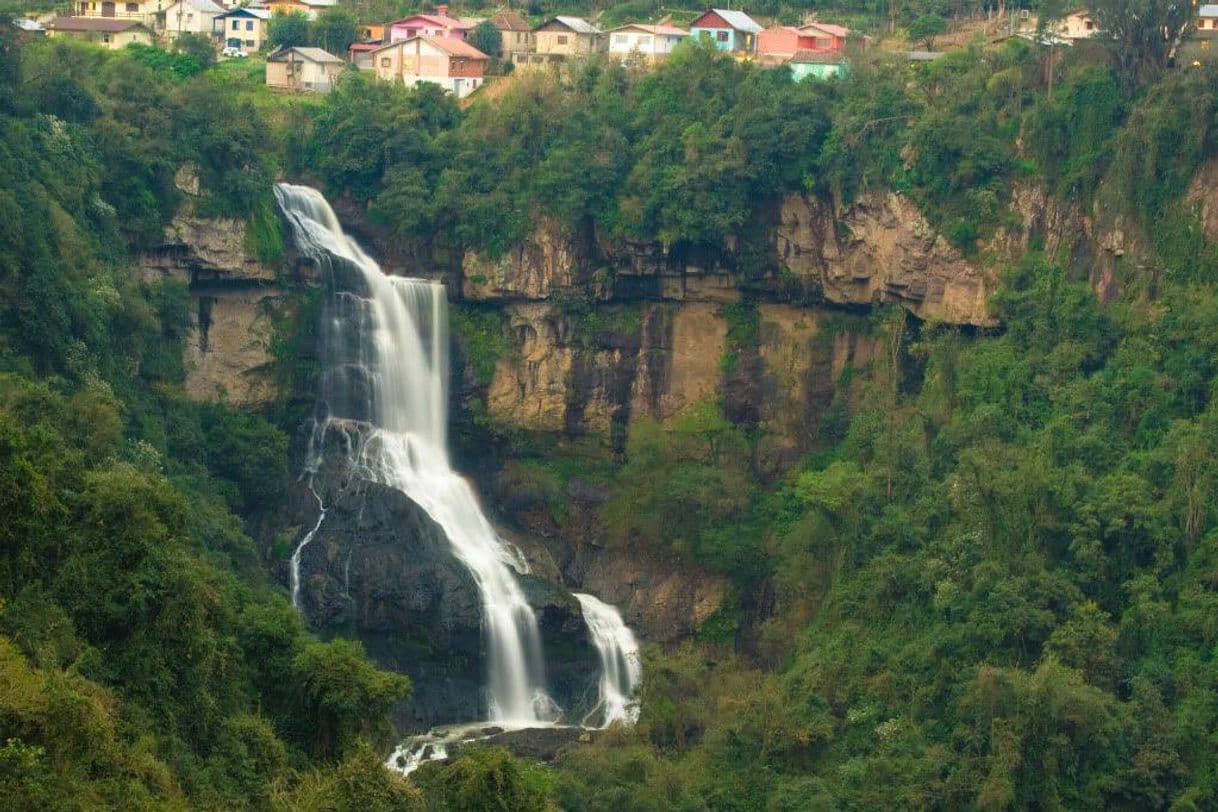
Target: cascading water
[(384, 342), (621, 668), (299, 551)]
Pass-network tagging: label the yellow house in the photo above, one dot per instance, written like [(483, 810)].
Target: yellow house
[(290, 7), (109, 33), (143, 10), (568, 36)]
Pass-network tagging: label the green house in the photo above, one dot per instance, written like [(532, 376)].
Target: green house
[(806, 64)]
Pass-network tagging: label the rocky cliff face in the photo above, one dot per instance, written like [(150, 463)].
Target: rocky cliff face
[(234, 298), (378, 569)]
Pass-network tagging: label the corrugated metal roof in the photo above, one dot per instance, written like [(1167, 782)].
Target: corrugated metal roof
[(738, 20), (449, 45), (817, 58), (206, 6), (437, 20), (311, 54), (579, 25), (657, 30), (828, 28), (1208, 10), (259, 13)]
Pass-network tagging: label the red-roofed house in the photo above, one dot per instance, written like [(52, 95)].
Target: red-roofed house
[(786, 40), (450, 63), (516, 32), (359, 54), (428, 25)]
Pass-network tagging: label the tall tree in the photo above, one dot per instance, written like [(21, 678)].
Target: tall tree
[(334, 30), (288, 30), (487, 39), (1141, 33)]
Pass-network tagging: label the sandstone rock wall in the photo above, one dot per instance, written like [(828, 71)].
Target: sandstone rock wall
[(233, 297)]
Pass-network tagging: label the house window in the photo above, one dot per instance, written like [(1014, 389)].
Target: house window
[(236, 25), (133, 7), (645, 41), (562, 39), (190, 18), (822, 43), (721, 36), (249, 25), (620, 39), (1089, 25), (386, 62), (249, 43), (105, 38)]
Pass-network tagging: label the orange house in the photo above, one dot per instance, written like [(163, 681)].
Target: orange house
[(786, 40)]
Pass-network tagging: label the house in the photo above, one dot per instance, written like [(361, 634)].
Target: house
[(428, 25), (516, 33), (732, 31), (359, 54), (1207, 21), (144, 11), (1078, 24), (451, 63), (107, 32), (652, 42), (303, 69), (244, 28), (569, 36), (817, 64), (188, 17), (826, 37), (787, 40), (370, 32), (290, 7)]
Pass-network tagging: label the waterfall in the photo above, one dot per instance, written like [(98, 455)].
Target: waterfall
[(384, 344), (304, 542), (621, 668)]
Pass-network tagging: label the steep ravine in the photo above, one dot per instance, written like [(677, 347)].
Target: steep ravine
[(595, 335)]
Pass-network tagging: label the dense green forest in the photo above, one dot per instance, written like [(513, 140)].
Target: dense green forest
[(992, 585)]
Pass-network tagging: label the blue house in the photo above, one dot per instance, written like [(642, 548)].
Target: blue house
[(732, 31)]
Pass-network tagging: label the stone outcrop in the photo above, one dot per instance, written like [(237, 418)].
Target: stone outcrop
[(380, 570), (234, 297)]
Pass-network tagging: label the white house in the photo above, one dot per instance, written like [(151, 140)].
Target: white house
[(652, 42), (451, 63), (188, 17)]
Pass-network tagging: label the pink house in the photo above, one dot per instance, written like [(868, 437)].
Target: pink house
[(427, 25), (815, 37)]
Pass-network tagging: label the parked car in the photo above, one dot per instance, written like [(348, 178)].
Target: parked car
[(233, 53)]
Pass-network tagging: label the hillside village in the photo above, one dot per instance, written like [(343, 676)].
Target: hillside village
[(442, 48)]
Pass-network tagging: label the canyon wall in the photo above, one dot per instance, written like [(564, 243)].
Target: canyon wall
[(598, 333)]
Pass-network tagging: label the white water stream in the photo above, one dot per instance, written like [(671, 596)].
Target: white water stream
[(396, 346), (621, 668)]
